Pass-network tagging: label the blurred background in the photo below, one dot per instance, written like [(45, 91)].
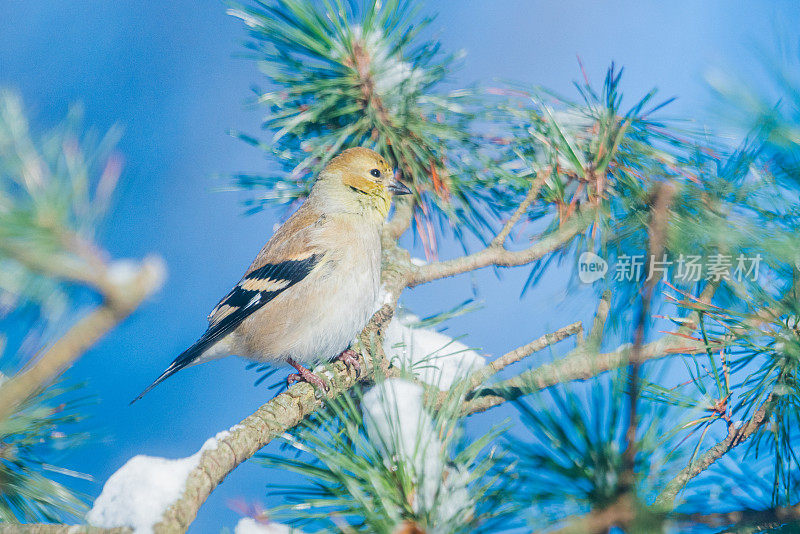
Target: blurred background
[(173, 76)]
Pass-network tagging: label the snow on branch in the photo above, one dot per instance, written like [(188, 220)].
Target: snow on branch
[(431, 356), (139, 492)]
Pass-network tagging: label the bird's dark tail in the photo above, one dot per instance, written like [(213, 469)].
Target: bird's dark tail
[(185, 359)]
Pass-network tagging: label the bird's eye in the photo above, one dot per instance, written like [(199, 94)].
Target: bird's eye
[(375, 172)]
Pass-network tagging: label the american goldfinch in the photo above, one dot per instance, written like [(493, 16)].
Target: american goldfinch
[(313, 286)]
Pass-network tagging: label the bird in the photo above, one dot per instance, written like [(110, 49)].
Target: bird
[(313, 287)]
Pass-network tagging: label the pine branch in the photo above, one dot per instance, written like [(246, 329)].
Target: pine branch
[(755, 519), (621, 513), (55, 188), (496, 254), (585, 361), (659, 218), (600, 318), (737, 434), (530, 197), (122, 297), (288, 409), (495, 366), (579, 364)]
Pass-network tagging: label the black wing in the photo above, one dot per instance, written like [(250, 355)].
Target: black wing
[(251, 293)]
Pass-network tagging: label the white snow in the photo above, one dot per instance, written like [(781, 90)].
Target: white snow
[(123, 272), (139, 492), (248, 19), (394, 416), (387, 68), (398, 425), (433, 357), (393, 72), (454, 498), (402, 430), (248, 525), (384, 297)]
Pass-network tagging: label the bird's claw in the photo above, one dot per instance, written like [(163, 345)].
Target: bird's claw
[(350, 359), (311, 379), (304, 375)]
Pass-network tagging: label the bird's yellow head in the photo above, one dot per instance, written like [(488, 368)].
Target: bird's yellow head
[(360, 178)]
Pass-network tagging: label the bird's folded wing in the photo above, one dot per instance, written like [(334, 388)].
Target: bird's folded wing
[(257, 288)]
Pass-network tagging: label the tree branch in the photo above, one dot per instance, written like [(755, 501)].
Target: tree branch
[(600, 318), (533, 192), (482, 375), (291, 407), (123, 295), (585, 362), (600, 521), (657, 227), (497, 255), (401, 220), (580, 364), (762, 519), (736, 436)]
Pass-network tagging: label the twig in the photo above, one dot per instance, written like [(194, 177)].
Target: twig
[(482, 375), (737, 434), (122, 298), (533, 192), (659, 218), (501, 257), (600, 318), (771, 518), (579, 364), (585, 362)]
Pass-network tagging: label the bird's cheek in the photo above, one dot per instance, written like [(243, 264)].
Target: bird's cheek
[(358, 182)]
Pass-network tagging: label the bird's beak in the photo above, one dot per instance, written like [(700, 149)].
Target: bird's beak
[(396, 187)]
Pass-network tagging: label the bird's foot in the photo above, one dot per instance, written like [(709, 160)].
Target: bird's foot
[(304, 375), (350, 359)]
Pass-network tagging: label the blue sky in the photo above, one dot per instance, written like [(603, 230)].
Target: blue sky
[(168, 73)]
